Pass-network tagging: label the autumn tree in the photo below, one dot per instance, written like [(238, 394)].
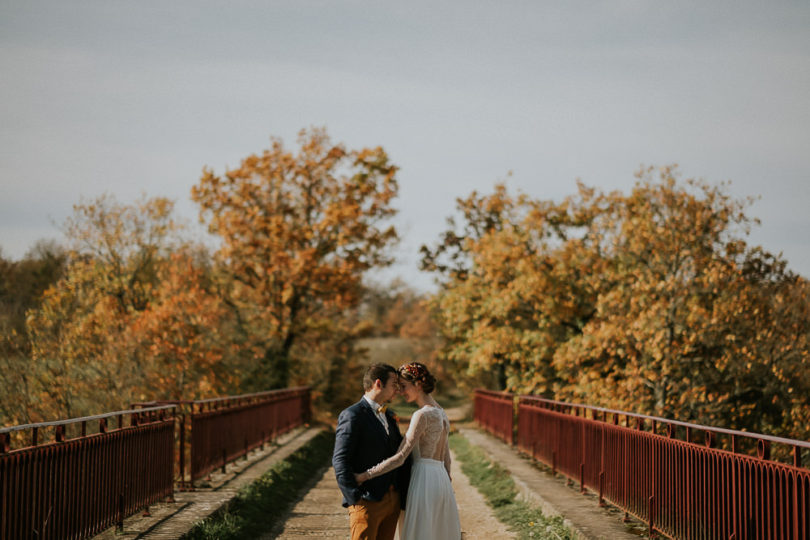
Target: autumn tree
[(22, 283), (297, 232), (126, 318), (501, 275), (181, 339), (650, 301)]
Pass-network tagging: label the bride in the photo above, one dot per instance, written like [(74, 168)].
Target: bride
[(430, 511)]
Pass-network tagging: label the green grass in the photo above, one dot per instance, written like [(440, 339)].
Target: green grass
[(258, 506), (498, 488)]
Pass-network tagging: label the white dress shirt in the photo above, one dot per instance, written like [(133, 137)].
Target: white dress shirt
[(380, 415)]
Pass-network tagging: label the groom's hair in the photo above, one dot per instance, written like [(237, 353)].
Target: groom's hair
[(377, 371)]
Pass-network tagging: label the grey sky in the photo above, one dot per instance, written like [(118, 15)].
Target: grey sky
[(136, 97)]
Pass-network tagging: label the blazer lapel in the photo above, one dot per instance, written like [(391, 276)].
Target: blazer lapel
[(372, 417)]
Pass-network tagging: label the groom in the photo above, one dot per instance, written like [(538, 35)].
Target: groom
[(366, 435)]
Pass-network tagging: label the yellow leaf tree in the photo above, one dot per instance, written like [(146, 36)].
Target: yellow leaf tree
[(650, 301), (132, 318), (297, 231)]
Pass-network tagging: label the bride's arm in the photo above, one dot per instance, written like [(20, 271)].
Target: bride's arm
[(415, 429), (447, 460)]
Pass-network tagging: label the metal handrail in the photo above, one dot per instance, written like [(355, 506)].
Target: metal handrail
[(665, 421), (246, 396), (69, 421)]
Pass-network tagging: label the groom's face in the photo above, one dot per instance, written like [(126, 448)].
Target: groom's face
[(388, 389)]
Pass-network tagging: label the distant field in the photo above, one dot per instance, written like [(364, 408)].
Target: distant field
[(390, 350)]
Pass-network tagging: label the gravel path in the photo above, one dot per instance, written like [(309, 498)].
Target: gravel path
[(320, 515)]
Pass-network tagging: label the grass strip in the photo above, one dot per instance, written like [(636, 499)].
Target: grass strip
[(496, 485), (257, 507)]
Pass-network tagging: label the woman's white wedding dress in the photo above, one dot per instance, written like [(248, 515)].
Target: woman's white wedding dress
[(430, 510)]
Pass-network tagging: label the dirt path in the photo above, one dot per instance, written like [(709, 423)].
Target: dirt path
[(320, 515)]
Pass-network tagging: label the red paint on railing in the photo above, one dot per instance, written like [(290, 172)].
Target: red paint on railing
[(227, 428), (495, 411), (679, 488), (214, 432), (78, 487)]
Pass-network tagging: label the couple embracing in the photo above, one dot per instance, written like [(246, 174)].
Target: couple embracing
[(379, 472)]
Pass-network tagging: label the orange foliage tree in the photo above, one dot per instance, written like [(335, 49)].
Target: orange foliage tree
[(132, 318), (297, 232), (650, 301), (180, 338)]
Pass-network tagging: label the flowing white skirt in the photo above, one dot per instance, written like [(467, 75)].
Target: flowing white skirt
[(430, 511)]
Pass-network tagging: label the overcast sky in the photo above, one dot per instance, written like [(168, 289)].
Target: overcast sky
[(128, 97)]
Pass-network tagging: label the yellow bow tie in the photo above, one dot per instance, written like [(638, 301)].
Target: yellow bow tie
[(382, 409)]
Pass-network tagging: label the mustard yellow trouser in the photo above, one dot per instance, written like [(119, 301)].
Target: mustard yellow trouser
[(375, 520)]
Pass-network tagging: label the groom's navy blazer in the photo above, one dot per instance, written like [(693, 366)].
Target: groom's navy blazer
[(361, 443)]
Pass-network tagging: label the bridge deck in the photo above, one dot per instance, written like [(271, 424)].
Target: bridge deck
[(320, 515)]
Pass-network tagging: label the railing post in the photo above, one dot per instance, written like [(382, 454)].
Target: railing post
[(182, 449), (582, 478), (764, 449), (583, 456), (119, 522), (601, 488)]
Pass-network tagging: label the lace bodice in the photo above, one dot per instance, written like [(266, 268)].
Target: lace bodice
[(426, 437)]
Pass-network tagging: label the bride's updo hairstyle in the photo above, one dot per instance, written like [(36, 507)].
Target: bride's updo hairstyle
[(416, 372)]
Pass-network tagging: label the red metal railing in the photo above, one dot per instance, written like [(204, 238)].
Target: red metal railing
[(214, 432), (223, 429), (75, 487), (680, 488), (495, 412)]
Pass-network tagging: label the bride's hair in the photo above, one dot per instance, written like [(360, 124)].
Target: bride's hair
[(416, 372)]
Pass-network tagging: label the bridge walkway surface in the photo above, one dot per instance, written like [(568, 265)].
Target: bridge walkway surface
[(319, 513)]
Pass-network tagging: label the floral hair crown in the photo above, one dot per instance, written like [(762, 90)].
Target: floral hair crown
[(415, 370)]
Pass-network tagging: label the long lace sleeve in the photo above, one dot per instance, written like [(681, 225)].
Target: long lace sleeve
[(415, 429)]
